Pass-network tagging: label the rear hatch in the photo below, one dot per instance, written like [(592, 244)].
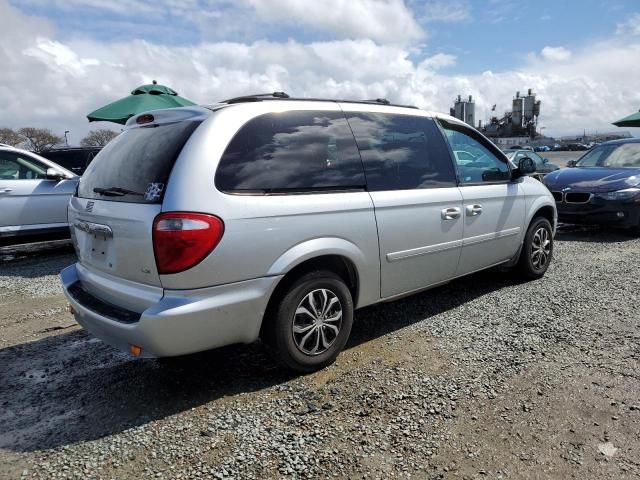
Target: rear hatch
[(118, 198)]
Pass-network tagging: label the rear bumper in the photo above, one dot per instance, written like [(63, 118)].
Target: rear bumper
[(181, 322)]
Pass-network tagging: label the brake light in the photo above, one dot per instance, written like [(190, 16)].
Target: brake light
[(146, 118), (181, 240)]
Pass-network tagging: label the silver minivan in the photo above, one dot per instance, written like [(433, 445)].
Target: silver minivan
[(275, 218)]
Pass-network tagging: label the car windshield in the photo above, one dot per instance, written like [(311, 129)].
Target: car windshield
[(626, 155)]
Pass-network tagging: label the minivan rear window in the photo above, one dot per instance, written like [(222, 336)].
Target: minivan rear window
[(291, 152), (134, 167)]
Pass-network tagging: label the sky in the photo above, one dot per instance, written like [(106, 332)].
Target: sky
[(61, 59)]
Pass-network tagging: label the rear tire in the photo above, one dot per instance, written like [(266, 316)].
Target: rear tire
[(310, 324), (537, 250)]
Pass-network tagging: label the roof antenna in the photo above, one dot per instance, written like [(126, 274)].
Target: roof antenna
[(154, 82)]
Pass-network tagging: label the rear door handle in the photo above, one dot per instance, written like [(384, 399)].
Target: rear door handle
[(473, 210), (5, 190), (450, 213), (94, 228)]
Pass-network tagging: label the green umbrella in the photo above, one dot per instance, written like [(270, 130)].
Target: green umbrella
[(632, 120), (142, 99)]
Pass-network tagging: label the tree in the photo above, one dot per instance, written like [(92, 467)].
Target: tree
[(98, 138), (39, 139), (9, 136)]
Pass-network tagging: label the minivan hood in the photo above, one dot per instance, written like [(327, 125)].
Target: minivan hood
[(593, 179)]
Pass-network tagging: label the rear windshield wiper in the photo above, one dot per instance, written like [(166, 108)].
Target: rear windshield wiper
[(115, 192)]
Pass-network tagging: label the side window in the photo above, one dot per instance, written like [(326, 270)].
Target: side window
[(14, 166), (487, 164), (289, 152), (402, 152)]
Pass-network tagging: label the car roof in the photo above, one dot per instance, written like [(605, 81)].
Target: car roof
[(621, 141), (170, 115), (374, 104), (516, 150)]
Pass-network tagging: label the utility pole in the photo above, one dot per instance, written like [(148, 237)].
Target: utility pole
[(66, 140)]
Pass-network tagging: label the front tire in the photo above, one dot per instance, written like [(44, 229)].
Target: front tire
[(311, 323), (537, 250)]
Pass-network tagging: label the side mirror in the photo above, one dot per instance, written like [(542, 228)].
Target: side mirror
[(545, 160), (571, 163), (53, 174)]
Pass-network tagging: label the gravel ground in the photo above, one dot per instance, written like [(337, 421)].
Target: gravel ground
[(481, 378)]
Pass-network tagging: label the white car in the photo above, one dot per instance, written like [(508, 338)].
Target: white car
[(34, 193)]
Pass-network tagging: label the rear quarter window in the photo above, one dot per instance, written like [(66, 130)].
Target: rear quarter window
[(289, 152), (139, 161)]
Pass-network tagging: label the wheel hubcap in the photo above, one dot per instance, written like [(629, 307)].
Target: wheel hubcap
[(541, 248), (317, 322)]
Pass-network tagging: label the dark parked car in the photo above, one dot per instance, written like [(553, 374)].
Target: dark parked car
[(543, 165), (576, 147), (75, 159), (602, 187)]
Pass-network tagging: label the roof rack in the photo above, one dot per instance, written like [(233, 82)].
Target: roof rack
[(256, 97), (283, 96), (383, 101)]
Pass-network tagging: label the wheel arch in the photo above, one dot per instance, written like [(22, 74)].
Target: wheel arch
[(543, 208), (336, 260)]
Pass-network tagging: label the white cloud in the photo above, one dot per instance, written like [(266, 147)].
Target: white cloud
[(556, 54), (438, 61), (631, 26), (447, 11), (123, 7), (47, 82), (385, 21)]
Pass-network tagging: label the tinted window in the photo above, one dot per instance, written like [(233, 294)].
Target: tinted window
[(138, 160), (402, 152), (289, 152), (487, 164), (14, 166)]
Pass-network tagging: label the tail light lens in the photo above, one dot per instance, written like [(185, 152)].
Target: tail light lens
[(181, 240)]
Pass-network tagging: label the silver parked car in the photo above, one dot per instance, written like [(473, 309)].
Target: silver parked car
[(34, 193), (275, 218)]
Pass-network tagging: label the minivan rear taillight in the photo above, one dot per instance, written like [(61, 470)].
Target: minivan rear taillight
[(181, 240)]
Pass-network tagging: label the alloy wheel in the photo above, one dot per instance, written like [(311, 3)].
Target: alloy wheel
[(541, 248), (317, 321)]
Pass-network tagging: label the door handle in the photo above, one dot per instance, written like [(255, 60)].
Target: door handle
[(5, 190), (450, 213), (94, 228), (473, 210)]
